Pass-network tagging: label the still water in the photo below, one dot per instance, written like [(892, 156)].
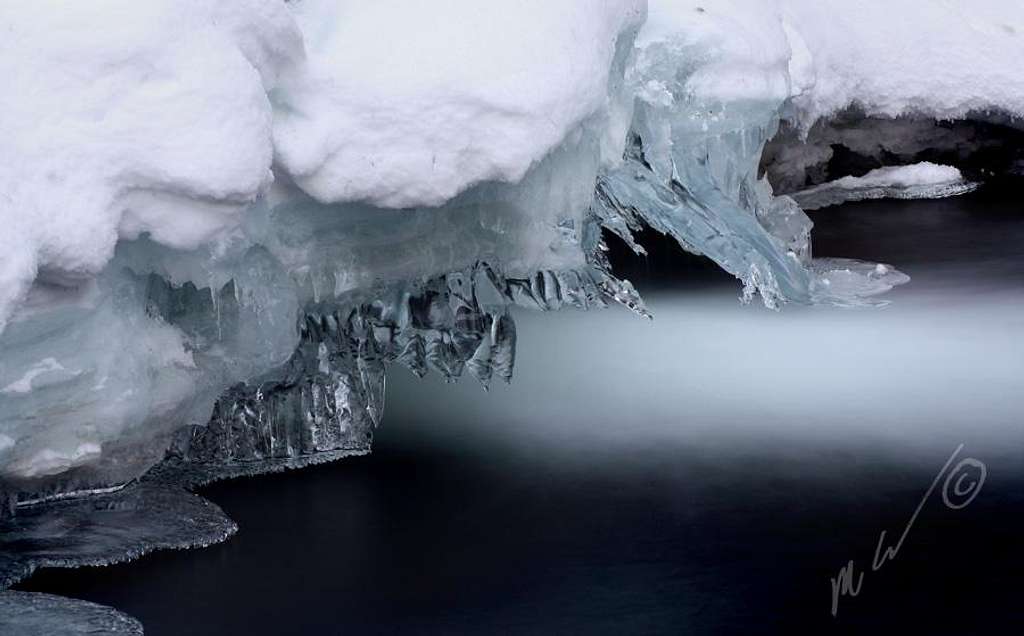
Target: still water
[(707, 472)]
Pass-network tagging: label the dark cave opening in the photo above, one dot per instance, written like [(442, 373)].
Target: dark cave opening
[(983, 146)]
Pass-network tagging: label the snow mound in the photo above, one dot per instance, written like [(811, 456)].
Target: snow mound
[(405, 104), (121, 117), (923, 173), (924, 180), (942, 59)]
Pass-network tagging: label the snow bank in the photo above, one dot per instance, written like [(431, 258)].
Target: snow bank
[(120, 117), (938, 58), (942, 59), (405, 103)]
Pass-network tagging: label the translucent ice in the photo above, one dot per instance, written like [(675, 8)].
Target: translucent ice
[(707, 103)]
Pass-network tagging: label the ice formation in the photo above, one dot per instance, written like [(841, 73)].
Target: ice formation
[(223, 220), (159, 142), (27, 614), (923, 180)]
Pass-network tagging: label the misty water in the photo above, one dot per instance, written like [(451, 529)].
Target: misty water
[(707, 472)]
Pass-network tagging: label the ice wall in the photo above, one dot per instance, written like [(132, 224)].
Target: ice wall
[(152, 267)]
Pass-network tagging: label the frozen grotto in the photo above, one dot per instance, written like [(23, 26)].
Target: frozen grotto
[(223, 220)]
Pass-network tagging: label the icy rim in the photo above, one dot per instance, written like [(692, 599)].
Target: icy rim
[(29, 614)]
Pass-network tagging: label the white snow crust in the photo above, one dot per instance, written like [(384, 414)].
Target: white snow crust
[(120, 117), (918, 174), (942, 58), (402, 104)]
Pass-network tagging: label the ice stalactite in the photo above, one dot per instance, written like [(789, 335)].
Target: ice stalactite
[(691, 171), (323, 403), (326, 400)]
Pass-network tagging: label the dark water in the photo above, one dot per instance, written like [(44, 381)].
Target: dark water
[(709, 472)]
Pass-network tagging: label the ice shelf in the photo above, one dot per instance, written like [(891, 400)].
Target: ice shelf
[(27, 614)]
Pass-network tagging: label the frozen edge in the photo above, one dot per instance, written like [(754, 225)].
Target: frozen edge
[(830, 194), (170, 478), (192, 476), (36, 614), (592, 285), (202, 523)]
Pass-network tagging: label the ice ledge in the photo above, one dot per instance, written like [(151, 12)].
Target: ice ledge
[(30, 614), (922, 180)]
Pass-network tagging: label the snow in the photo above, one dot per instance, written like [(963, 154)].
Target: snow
[(939, 58), (924, 180), (944, 59), (713, 81), (923, 173), (119, 117), (405, 103)]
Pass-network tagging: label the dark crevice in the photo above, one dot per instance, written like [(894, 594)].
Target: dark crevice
[(983, 147)]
